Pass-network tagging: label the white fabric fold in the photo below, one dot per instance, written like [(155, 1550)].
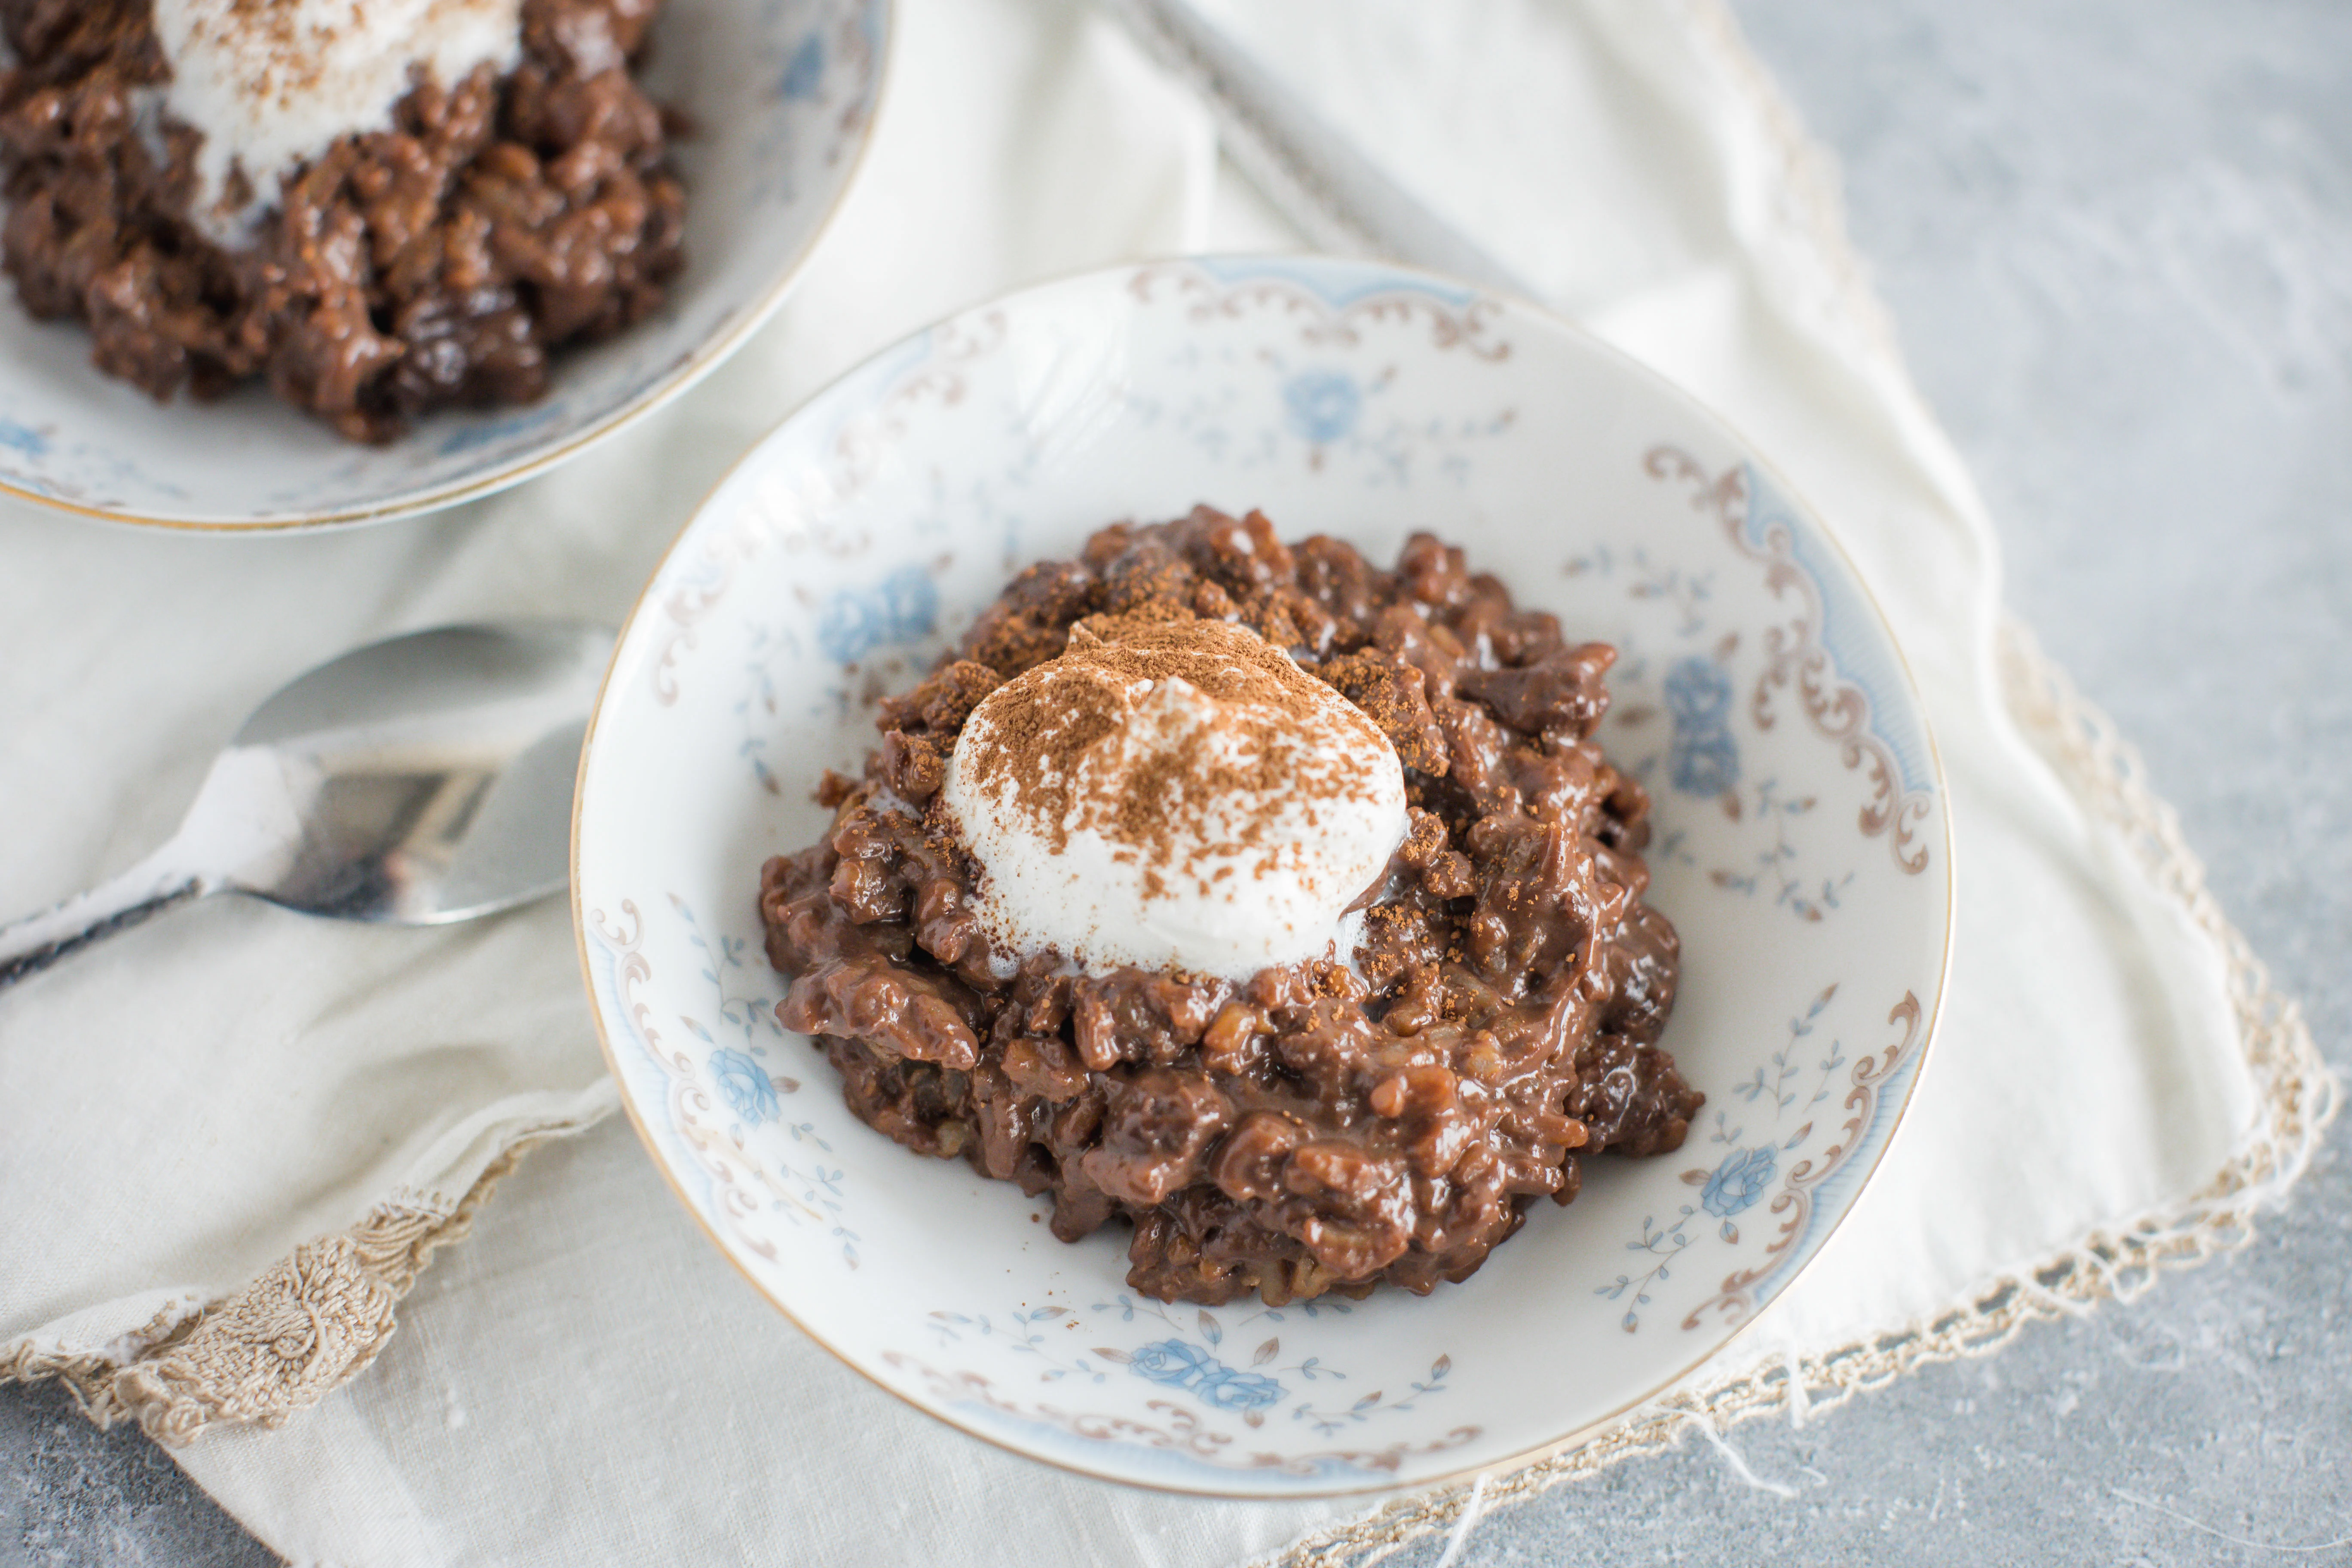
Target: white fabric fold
[(584, 1380)]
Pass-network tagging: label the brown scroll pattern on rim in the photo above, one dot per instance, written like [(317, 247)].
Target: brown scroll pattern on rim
[(1839, 710), (1794, 1202), (1469, 328)]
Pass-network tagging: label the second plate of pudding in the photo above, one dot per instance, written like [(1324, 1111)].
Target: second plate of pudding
[(381, 259), (1268, 1118)]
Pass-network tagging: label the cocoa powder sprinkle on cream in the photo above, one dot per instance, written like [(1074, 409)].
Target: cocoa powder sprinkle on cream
[(270, 83), (1173, 791)]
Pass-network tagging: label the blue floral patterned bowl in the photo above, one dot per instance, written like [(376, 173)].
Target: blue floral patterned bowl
[(782, 93), (1801, 849)]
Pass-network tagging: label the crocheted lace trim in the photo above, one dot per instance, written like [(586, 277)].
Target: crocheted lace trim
[(305, 1326)]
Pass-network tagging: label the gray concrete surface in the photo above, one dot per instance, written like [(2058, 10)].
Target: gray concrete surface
[(2117, 238)]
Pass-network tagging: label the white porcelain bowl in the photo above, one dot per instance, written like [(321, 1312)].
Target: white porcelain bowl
[(1800, 848), (781, 94)]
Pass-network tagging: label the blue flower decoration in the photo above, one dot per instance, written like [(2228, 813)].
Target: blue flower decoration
[(1322, 404), (1171, 1362), (1180, 1365), (1230, 1390), (743, 1084), (1704, 758), (806, 70), (1698, 694), (23, 438), (902, 608), (1739, 1182), (1706, 764)]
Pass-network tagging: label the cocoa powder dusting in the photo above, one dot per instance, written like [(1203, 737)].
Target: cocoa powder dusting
[(1274, 737)]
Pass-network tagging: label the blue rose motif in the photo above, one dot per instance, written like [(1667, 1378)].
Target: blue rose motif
[(1230, 1390), (1706, 764), (743, 1084), (1698, 693), (1739, 1182), (806, 70), (1322, 404), (1704, 760), (903, 606), (1180, 1365), (1171, 1362)]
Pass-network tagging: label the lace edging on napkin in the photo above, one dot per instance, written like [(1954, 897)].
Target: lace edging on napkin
[(303, 1328), (2295, 1096)]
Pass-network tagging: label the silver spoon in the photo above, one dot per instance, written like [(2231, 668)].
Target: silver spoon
[(423, 779)]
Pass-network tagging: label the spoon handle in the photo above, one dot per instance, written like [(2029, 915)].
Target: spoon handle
[(149, 888)]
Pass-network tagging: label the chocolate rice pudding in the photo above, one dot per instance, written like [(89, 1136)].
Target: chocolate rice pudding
[(1481, 1015), (381, 207)]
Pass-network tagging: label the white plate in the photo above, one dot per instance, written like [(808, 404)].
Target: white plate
[(1801, 849), (781, 94)]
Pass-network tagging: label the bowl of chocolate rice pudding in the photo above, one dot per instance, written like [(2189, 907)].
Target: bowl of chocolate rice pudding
[(1265, 877), (286, 263)]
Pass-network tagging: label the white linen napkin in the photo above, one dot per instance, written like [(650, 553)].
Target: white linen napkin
[(227, 1140)]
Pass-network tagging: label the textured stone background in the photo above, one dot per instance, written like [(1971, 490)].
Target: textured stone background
[(2118, 237)]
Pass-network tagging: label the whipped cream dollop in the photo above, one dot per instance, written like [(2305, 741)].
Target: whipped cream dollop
[(1175, 794), (271, 83)]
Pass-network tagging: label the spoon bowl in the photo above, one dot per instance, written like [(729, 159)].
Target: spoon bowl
[(419, 780)]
